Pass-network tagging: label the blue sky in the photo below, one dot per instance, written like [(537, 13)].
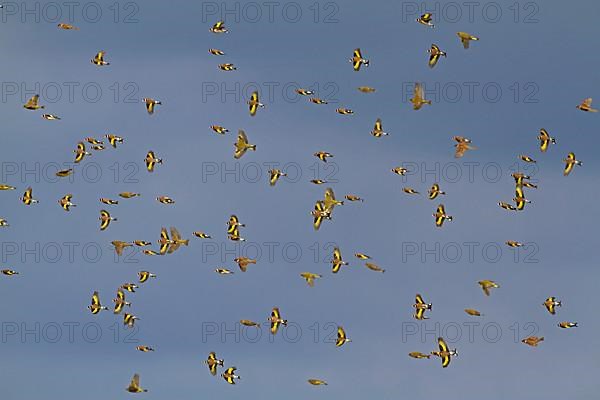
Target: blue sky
[(528, 71)]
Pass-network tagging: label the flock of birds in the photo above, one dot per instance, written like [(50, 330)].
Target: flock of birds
[(171, 240)]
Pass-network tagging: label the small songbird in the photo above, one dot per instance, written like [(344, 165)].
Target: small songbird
[(318, 181), (426, 19), (409, 190), (27, 198), (150, 104), (254, 104), (120, 302), (520, 199), (119, 246), (532, 341), (129, 195), (486, 285), (80, 152), (50, 117), (105, 219), (357, 60), (570, 162), (213, 362), (440, 216), (234, 223), (304, 92), (219, 129), (466, 38), (337, 260), (507, 206), (374, 267), (275, 174), (151, 253), (378, 129), (420, 307), (144, 349), (344, 111), (435, 191), (434, 55), (92, 140), (230, 376), (317, 100), (323, 155), (418, 355), (529, 185), (366, 89), (223, 271), (463, 144), (63, 173), (341, 337), (317, 382), (247, 322), (114, 139), (9, 272), (320, 213), (108, 201), (418, 99), (512, 243), (586, 105), (351, 197), (551, 303), (67, 27), (99, 59), (165, 200), (330, 201), (519, 177), (444, 353), (400, 171), (141, 243), (362, 256), (130, 287), (473, 312), (275, 320), (545, 139), (145, 275), (242, 145), (243, 262), (227, 67), (3, 222), (176, 240), (567, 325), (98, 147), (134, 385), (201, 235), (527, 159), (310, 278), (65, 202), (7, 187), (96, 307), (129, 320), (219, 27), (32, 103), (151, 161), (216, 52)]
